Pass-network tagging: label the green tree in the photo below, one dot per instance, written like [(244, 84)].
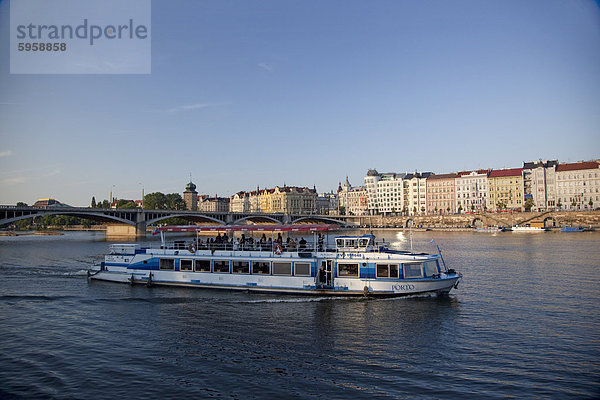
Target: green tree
[(105, 204), (529, 203), (126, 204), (559, 204), (174, 201), (93, 202), (591, 203), (460, 208), (21, 204), (342, 210), (155, 201)]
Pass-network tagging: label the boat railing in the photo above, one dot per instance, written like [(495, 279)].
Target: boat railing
[(273, 247)]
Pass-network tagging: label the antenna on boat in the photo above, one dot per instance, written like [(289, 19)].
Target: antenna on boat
[(410, 235)]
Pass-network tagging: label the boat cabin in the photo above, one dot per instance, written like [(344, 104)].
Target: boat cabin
[(362, 243)]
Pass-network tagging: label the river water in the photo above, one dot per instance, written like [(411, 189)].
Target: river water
[(524, 323)]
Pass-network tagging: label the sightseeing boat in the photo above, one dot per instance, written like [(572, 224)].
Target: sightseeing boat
[(355, 265)]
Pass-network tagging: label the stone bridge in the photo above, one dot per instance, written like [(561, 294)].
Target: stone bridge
[(549, 219), (140, 219)]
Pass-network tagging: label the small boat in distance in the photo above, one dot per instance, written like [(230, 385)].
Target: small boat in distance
[(576, 229), (490, 229), (354, 266)]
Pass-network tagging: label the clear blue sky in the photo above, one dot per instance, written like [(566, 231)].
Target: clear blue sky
[(261, 93)]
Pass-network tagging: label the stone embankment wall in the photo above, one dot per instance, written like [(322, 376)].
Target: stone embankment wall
[(456, 221)]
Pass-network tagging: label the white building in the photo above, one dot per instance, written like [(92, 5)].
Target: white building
[(471, 190), (385, 192), (539, 181), (578, 185), (415, 193)]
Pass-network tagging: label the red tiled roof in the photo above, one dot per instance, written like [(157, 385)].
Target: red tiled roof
[(497, 173), (577, 166)]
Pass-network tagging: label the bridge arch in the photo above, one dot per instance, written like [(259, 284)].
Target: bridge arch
[(320, 219), (477, 222), (549, 222), (100, 217), (256, 219), (194, 218)]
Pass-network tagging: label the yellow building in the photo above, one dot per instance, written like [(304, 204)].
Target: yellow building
[(287, 199), (505, 189)]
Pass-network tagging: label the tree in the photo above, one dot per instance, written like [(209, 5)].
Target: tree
[(559, 204), (342, 210), (126, 204), (174, 201), (93, 202), (591, 203), (529, 203), (448, 210), (105, 204), (155, 201), (460, 208), (21, 204)]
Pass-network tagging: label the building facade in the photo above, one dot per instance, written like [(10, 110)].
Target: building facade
[(539, 184), (506, 189), (471, 190), (441, 195), (384, 192), (214, 204), (353, 199), (578, 186), (415, 193)]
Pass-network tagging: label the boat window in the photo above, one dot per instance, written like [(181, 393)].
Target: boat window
[(387, 270), (186, 265), (166, 263), (260, 267), (431, 268), (221, 266), (202, 265), (241, 267), (413, 270), (282, 268), (302, 269), (339, 242), (348, 270), (364, 242)]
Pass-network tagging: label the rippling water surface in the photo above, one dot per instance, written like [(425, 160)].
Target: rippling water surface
[(524, 323)]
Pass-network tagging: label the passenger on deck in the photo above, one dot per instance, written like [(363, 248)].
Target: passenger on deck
[(292, 245), (302, 243)]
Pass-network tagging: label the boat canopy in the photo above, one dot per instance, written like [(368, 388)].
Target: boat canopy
[(248, 228)]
